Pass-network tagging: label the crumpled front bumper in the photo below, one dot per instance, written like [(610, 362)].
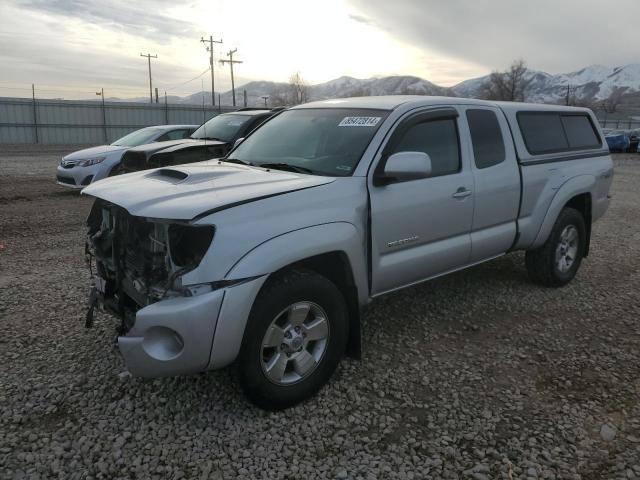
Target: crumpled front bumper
[(176, 336)]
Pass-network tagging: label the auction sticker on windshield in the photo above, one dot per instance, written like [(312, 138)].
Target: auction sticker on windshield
[(359, 122)]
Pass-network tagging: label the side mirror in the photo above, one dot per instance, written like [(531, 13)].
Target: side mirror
[(403, 166), (238, 142)]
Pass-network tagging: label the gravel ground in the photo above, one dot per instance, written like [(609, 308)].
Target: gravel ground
[(477, 375)]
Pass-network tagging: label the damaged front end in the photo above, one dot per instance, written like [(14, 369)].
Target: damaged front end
[(138, 261)]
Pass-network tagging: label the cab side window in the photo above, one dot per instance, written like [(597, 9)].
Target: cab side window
[(486, 137), (436, 138)]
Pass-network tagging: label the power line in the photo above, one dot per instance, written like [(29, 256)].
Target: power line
[(231, 61), (188, 81), (149, 57), (210, 50)]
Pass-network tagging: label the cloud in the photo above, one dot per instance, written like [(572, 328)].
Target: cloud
[(361, 19), (141, 18), (551, 35)]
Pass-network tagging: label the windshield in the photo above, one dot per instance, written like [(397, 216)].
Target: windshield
[(222, 127), (139, 137), (326, 141)]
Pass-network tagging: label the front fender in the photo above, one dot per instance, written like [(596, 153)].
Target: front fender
[(292, 247), (271, 256), (575, 186)]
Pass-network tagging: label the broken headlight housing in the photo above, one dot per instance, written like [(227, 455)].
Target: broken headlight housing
[(189, 243)]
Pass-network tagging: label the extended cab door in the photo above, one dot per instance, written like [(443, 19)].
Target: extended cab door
[(497, 181), (421, 228)]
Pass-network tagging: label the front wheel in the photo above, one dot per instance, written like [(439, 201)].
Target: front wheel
[(556, 262), (296, 334)]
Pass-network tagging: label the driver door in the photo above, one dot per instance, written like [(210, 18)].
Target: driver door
[(422, 228)]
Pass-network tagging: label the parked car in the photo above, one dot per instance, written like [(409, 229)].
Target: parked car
[(265, 258), (618, 141), (212, 140), (79, 169)]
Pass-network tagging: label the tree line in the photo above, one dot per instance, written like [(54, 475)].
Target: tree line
[(510, 85)]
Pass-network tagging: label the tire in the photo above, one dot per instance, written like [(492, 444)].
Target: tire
[(260, 366), (116, 170), (544, 264)]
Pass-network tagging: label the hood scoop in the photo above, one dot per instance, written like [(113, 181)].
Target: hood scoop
[(169, 175)]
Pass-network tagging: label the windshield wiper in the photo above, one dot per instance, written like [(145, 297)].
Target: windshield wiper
[(208, 138), (236, 160), (286, 166)]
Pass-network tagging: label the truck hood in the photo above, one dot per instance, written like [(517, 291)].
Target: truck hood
[(184, 192), (94, 152)]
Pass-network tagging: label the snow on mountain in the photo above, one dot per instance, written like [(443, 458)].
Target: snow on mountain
[(596, 82)]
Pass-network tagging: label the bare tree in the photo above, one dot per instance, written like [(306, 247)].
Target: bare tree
[(510, 85), (279, 96), (613, 101), (299, 89)]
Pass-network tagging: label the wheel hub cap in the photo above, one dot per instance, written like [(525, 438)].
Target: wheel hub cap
[(567, 249), (294, 343)]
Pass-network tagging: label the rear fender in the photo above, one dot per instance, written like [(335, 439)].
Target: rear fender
[(571, 188)]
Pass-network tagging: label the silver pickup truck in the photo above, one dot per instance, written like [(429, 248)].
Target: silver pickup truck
[(265, 258)]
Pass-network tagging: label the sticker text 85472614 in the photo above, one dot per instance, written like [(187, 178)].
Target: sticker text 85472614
[(359, 122)]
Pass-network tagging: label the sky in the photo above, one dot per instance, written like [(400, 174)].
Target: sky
[(72, 48)]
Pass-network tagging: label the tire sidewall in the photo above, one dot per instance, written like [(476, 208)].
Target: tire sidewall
[(568, 217), (269, 303)]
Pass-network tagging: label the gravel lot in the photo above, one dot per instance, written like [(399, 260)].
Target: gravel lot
[(477, 375)]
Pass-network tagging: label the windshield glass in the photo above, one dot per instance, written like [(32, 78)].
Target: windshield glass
[(327, 141), (139, 137), (222, 127)]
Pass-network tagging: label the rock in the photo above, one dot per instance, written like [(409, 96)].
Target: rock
[(607, 432)]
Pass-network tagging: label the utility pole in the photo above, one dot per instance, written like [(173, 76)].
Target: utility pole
[(104, 115), (211, 41), (231, 61), (265, 98), (149, 57), (568, 100)]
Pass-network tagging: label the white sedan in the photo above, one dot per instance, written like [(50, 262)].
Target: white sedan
[(79, 169)]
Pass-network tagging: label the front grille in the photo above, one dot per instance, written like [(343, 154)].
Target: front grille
[(67, 180)]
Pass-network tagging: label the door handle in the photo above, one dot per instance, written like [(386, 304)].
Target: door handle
[(461, 193)]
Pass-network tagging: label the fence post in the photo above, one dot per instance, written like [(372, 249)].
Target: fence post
[(219, 105), (35, 112), (245, 97), (166, 109)]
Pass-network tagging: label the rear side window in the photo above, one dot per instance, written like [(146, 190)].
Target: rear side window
[(580, 132), (436, 138), (554, 132), (486, 137)]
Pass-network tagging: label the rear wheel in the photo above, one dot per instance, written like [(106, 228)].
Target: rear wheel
[(556, 262), (296, 334)]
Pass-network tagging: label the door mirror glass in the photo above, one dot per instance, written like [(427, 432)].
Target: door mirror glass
[(403, 166), (238, 142)]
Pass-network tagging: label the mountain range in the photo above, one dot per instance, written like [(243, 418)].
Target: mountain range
[(590, 84)]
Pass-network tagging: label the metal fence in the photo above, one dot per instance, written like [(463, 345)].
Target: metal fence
[(24, 120), (620, 124)]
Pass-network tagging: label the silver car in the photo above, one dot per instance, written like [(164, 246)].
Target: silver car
[(79, 169)]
